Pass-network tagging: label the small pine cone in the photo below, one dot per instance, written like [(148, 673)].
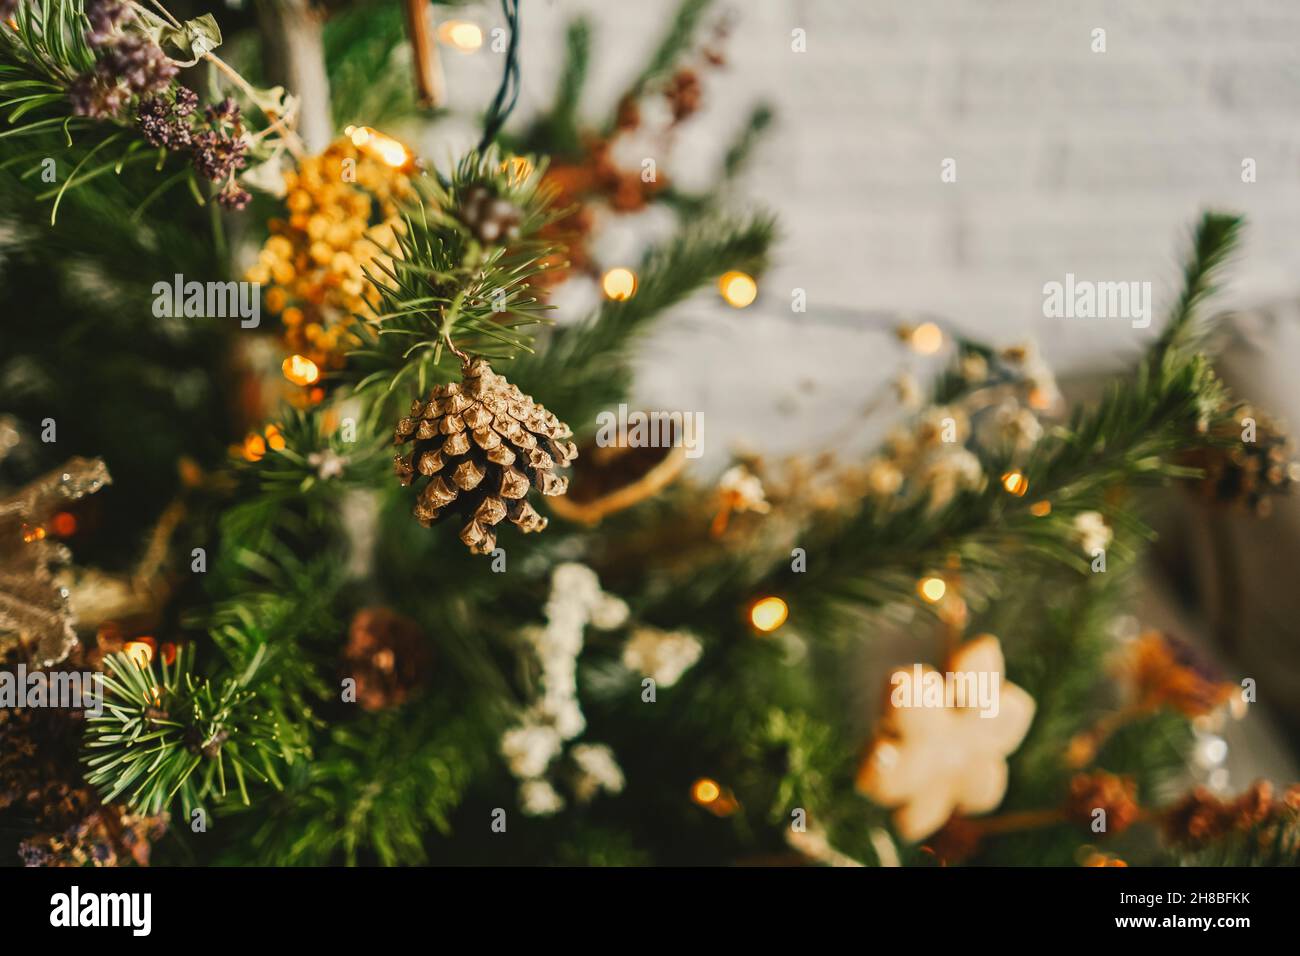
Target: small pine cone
[(1194, 820), (1117, 796), (482, 445), (491, 219), (387, 655), (1247, 473)]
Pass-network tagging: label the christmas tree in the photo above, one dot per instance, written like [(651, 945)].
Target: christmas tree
[(302, 460)]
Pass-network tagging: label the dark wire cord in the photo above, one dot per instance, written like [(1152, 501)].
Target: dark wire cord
[(508, 92)]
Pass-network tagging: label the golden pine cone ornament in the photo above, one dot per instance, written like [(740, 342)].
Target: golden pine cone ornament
[(482, 444)]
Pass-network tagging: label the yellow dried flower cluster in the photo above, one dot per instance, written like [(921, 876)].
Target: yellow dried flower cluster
[(343, 212)]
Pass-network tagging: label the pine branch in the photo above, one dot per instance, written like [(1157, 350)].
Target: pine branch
[(1135, 436), (169, 735), (368, 86), (445, 290), (557, 134), (358, 803), (1213, 243), (676, 40)]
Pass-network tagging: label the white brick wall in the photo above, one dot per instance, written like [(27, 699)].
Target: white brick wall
[(1068, 161)]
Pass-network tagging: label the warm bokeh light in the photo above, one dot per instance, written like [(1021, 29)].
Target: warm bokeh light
[(705, 791), (769, 614), (33, 533), (1041, 509), (926, 338), (1015, 483), (383, 148), (274, 440), (619, 284), (300, 370), (932, 589), (64, 524), (738, 288), (254, 448), (461, 35)]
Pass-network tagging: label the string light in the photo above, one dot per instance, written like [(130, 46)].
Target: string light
[(738, 288), (461, 35), (379, 145), (300, 370), (1015, 483), (768, 614), (1041, 509), (926, 338), (619, 284), (932, 589), (710, 795), (32, 533), (704, 791), (274, 440)]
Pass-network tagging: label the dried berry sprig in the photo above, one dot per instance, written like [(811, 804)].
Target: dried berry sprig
[(214, 143)]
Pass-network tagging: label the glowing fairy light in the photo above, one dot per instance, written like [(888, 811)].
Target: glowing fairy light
[(619, 284), (738, 289), (300, 370), (461, 35), (932, 589), (1015, 483), (768, 614), (379, 145)]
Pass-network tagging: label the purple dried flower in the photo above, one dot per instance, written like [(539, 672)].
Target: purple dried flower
[(97, 96), (217, 155), (104, 17), (33, 854), (233, 197), (186, 101), (141, 63), (227, 111), (163, 123)]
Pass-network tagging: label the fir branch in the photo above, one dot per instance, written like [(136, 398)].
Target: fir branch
[(584, 370)]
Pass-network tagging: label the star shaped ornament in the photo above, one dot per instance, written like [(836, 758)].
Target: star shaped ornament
[(943, 743)]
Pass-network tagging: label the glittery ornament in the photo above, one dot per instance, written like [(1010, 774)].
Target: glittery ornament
[(32, 605)]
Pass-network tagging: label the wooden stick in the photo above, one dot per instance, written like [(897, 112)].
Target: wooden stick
[(429, 80)]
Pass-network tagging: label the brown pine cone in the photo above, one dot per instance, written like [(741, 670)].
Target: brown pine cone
[(482, 444), (387, 655), (1106, 791), (491, 219), (1247, 474), (1201, 817)]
